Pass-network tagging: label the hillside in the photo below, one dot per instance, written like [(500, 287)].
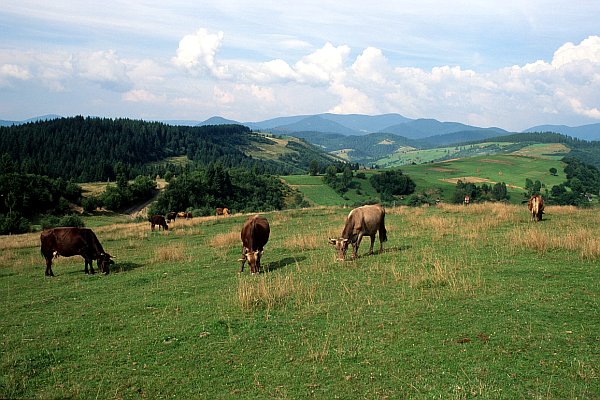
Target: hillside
[(87, 149)]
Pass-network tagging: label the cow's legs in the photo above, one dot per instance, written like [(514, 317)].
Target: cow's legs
[(90, 262), (243, 260), (355, 245), (49, 265), (372, 244)]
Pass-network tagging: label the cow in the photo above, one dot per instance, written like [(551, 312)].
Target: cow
[(68, 242), (158, 220), (255, 234), (171, 216), (181, 214), (361, 221), (222, 211), (188, 215), (536, 207)]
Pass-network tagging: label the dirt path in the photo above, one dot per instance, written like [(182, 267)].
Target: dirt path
[(141, 209)]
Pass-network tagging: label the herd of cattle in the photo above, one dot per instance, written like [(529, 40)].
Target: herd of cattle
[(362, 221)]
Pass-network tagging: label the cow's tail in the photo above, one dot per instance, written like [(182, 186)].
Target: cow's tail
[(382, 231)]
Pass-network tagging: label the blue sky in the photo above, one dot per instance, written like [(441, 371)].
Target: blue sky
[(512, 64)]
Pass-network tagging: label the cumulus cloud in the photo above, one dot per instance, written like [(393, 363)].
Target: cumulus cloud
[(198, 51), (14, 72), (323, 65)]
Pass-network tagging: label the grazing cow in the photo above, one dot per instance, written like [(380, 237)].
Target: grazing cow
[(255, 234), (171, 216), (181, 214), (223, 211), (188, 215), (158, 220), (69, 242), (536, 207), (365, 220)]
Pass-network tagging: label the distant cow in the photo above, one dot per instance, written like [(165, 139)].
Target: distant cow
[(158, 220), (222, 211), (365, 220), (255, 234), (68, 242), (536, 207), (181, 214), (171, 216), (188, 215)]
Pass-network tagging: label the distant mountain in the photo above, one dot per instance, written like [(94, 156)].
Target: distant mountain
[(34, 119), (586, 132), (357, 148), (316, 123), (366, 123), (449, 139), (218, 121), (423, 128)]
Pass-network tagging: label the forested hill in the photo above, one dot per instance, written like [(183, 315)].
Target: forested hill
[(87, 149)]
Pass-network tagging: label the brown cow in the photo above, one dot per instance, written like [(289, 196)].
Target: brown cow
[(171, 216), (181, 214), (255, 234), (158, 220), (365, 220), (222, 211), (536, 207), (69, 242), (188, 215)]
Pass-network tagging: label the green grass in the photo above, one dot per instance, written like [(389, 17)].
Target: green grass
[(406, 156), (318, 193), (510, 169), (461, 304)]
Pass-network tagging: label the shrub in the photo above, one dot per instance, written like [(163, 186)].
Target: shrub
[(13, 222), (72, 220)]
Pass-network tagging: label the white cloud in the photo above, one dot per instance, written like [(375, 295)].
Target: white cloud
[(104, 68), (199, 50), (14, 72), (324, 65), (587, 50), (142, 96)]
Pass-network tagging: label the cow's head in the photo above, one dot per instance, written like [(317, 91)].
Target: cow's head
[(341, 246), (253, 258), (104, 261)]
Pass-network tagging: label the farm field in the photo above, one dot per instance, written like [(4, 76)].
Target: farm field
[(511, 169), (318, 193), (464, 302), (408, 156)]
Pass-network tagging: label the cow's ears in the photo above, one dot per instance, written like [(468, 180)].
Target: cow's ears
[(345, 240), (332, 241)]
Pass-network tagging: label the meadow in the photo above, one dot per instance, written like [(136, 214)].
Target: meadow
[(464, 302)]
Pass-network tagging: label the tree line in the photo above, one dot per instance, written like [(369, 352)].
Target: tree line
[(87, 149)]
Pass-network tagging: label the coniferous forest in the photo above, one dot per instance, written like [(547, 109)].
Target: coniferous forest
[(87, 149)]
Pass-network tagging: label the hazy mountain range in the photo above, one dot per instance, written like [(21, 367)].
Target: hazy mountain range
[(434, 131)]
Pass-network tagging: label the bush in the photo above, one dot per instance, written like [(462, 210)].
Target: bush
[(49, 221), (13, 223), (72, 220)]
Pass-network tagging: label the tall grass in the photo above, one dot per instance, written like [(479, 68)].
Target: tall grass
[(581, 241)]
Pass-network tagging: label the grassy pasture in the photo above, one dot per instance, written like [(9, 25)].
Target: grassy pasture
[(511, 169), (464, 302)]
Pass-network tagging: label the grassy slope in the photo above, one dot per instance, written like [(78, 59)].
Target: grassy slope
[(511, 169), (461, 304)]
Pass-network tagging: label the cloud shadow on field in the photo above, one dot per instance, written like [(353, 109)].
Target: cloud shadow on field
[(275, 265)]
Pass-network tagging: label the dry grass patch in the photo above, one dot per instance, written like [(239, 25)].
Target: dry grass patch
[(20, 241), (171, 252), (433, 271), (582, 241), (301, 242), (267, 291), (226, 240)]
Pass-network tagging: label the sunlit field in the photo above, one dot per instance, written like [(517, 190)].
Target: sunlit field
[(464, 302)]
